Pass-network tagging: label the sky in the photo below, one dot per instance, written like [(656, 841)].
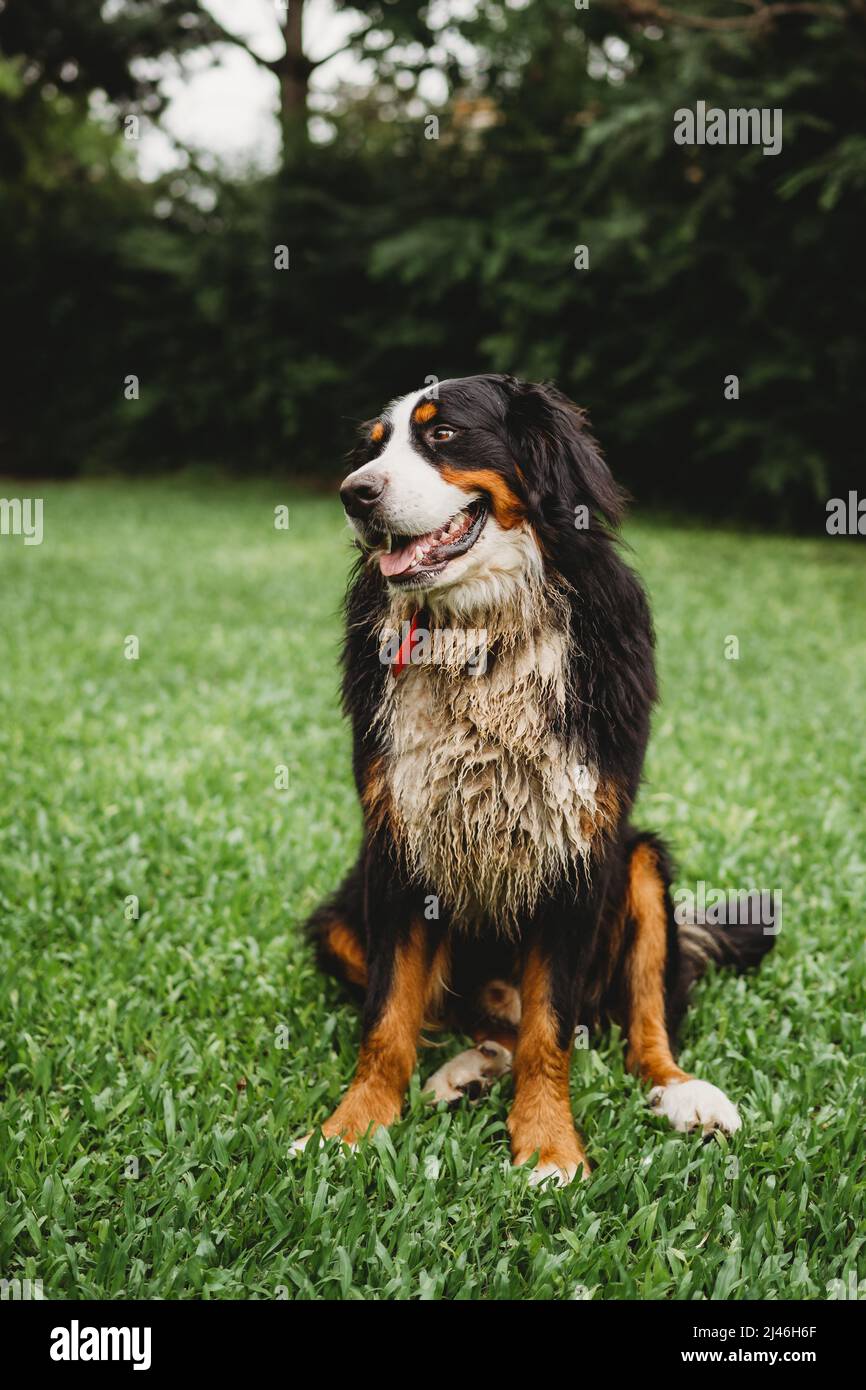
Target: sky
[(228, 107)]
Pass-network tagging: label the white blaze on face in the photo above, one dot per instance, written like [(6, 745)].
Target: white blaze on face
[(416, 498)]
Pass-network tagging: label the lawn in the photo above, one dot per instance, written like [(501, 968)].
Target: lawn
[(155, 1066)]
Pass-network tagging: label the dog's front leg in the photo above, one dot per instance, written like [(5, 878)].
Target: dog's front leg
[(541, 1121), (406, 959)]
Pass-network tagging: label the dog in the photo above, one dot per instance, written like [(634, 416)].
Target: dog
[(499, 677)]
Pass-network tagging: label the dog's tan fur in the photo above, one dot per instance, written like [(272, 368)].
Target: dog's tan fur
[(387, 1055)]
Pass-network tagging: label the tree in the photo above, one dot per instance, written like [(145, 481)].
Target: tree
[(414, 256)]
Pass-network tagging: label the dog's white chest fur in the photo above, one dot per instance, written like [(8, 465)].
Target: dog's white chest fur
[(487, 802)]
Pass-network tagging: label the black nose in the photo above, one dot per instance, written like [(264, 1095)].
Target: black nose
[(360, 497)]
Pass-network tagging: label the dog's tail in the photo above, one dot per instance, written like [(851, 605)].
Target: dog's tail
[(700, 945), (738, 947)]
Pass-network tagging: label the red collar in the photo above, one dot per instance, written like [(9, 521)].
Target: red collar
[(404, 655)]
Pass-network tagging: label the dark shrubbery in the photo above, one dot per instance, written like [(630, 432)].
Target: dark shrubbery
[(413, 257)]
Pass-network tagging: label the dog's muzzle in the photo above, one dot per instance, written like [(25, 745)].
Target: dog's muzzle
[(360, 495)]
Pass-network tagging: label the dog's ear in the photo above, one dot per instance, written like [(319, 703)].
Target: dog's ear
[(561, 465)]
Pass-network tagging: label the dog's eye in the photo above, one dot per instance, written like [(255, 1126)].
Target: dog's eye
[(440, 434)]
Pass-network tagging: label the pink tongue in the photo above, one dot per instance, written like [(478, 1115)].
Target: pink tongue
[(397, 561)]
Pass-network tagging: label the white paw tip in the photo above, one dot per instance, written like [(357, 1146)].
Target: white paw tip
[(550, 1172), (557, 1174), (694, 1104), (298, 1146)]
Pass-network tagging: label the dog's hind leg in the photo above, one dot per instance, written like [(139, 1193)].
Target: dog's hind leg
[(472, 1072), (336, 930), (650, 968)]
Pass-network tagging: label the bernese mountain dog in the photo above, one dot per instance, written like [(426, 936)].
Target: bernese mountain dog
[(498, 674)]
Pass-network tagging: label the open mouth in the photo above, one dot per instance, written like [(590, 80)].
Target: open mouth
[(418, 557)]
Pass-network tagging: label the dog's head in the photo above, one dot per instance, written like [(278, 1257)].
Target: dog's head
[(481, 476)]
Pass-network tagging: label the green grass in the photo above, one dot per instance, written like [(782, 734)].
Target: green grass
[(152, 1046)]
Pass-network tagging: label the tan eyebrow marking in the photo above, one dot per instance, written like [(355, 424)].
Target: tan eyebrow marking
[(425, 411), (377, 431)]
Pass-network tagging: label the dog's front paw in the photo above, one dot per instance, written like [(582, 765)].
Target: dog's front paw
[(470, 1073), (298, 1146), (560, 1159), (695, 1105), (558, 1174)]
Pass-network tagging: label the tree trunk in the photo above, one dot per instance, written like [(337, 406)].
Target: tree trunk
[(294, 73)]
